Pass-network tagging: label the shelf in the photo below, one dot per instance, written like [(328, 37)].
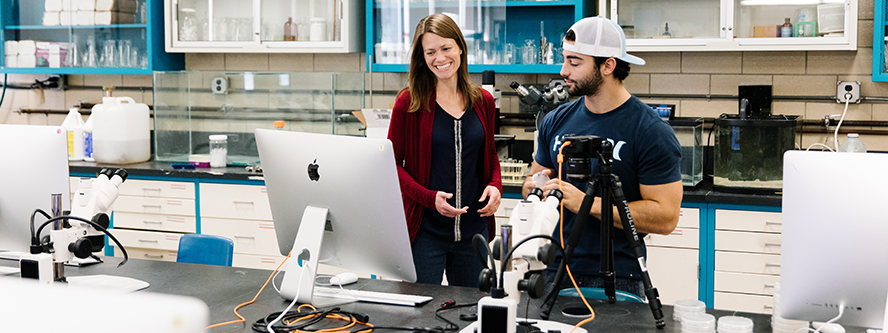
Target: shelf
[(516, 68), (446, 4), (60, 27), (74, 70)]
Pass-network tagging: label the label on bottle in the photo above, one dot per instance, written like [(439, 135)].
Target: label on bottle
[(88, 144), (786, 32), (70, 144)]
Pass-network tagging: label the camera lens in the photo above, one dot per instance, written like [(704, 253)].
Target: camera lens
[(578, 169)]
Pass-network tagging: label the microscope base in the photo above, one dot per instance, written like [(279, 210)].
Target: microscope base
[(543, 325)]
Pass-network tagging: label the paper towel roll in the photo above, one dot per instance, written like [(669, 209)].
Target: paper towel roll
[(89, 5), (27, 47), (11, 47), (84, 17), (52, 5), (114, 18), (12, 61), (50, 18), (26, 60)]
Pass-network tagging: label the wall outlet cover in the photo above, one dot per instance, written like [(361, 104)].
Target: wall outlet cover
[(843, 88), (219, 85)]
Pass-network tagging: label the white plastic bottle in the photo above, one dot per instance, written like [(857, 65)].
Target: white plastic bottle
[(73, 125), (88, 141), (852, 144)]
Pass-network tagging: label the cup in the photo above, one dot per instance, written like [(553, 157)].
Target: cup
[(318, 29)]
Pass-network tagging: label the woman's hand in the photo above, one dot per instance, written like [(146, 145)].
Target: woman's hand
[(444, 208), (492, 203)]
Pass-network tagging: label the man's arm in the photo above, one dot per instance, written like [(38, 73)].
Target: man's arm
[(656, 212)]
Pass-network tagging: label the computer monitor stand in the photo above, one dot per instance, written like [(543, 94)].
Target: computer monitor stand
[(299, 279)]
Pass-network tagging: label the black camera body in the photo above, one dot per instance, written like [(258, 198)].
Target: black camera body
[(579, 153)]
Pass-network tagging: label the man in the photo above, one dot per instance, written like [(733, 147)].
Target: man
[(646, 153)]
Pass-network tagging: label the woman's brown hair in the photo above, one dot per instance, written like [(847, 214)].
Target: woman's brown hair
[(421, 80)]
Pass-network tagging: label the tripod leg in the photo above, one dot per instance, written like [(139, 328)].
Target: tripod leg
[(635, 243), (575, 232), (606, 241)]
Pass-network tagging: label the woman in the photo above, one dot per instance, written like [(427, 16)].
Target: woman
[(442, 133)]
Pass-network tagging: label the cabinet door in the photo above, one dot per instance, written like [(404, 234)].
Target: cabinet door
[(234, 201), (183, 207), (158, 222), (673, 272), (757, 263), (744, 303), (205, 23), (747, 242), (746, 283), (149, 254), (157, 189), (147, 239), (742, 220)]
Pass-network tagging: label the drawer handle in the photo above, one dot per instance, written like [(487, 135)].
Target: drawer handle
[(154, 206), (242, 202), (245, 237), (773, 244), (773, 223), (147, 241), (150, 189), (769, 285), (153, 257), (768, 307), (153, 222), (771, 265)]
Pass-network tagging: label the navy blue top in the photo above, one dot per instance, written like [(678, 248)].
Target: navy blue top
[(645, 152), (456, 168)]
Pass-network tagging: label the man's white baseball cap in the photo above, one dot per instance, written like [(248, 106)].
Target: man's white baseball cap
[(600, 37)]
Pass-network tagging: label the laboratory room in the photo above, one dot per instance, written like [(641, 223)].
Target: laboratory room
[(512, 166)]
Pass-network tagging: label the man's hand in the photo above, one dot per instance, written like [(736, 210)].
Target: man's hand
[(493, 203), (443, 207), (573, 197)]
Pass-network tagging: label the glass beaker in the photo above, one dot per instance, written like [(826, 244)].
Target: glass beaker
[(109, 50), (123, 53)]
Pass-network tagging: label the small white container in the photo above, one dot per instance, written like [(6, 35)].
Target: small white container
[(685, 306), (318, 29), (218, 150), (734, 324)]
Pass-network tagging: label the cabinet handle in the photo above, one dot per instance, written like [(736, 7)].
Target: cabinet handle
[(768, 307), (151, 189), (769, 285), (153, 222), (153, 257), (772, 244), (245, 237), (243, 202), (767, 264), (147, 241), (147, 206), (773, 223)]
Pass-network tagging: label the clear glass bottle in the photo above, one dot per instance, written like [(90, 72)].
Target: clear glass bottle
[(289, 34), (218, 150), (666, 33), (188, 25), (786, 29)]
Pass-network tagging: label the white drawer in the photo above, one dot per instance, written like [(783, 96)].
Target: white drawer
[(748, 220), (164, 206), (747, 262), (250, 237), (234, 201), (680, 237), (505, 208), (744, 303), (174, 223), (157, 189), (689, 218), (747, 242), (746, 283), (257, 262), (140, 253), (147, 239)]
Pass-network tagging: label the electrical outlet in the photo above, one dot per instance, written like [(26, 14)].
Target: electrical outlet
[(844, 88), (219, 85)]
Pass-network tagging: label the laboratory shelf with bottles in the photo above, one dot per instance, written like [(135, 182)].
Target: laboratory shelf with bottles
[(83, 37), (263, 26), (880, 61), (735, 25), (503, 36)]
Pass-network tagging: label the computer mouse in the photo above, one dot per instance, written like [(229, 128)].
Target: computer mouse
[(343, 279), (828, 328)]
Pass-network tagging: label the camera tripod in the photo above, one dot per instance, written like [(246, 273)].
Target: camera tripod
[(611, 194)]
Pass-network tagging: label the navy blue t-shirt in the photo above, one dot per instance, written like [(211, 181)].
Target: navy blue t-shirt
[(645, 152), (456, 168)]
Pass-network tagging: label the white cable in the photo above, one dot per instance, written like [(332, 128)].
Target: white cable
[(273, 284), (298, 291), (841, 311), (819, 144), (836, 135)]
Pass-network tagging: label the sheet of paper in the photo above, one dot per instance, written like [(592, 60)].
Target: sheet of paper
[(377, 121)]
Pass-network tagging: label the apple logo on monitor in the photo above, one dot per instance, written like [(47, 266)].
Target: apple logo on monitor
[(313, 171)]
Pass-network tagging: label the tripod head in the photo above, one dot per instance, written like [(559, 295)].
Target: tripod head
[(579, 153)]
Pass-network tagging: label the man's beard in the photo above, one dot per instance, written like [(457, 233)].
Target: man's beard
[(588, 86)]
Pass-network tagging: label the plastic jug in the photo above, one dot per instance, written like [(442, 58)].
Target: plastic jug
[(121, 131)]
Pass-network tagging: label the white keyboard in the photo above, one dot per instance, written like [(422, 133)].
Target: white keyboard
[(372, 296)]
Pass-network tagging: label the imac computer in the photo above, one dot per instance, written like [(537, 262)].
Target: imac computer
[(835, 227), (334, 200), (35, 166)]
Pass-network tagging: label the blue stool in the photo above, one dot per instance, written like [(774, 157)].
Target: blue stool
[(598, 293), (205, 249)]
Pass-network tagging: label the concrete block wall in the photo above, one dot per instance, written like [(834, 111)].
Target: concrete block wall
[(791, 73)]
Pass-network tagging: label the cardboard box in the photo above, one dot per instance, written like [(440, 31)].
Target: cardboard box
[(765, 31)]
